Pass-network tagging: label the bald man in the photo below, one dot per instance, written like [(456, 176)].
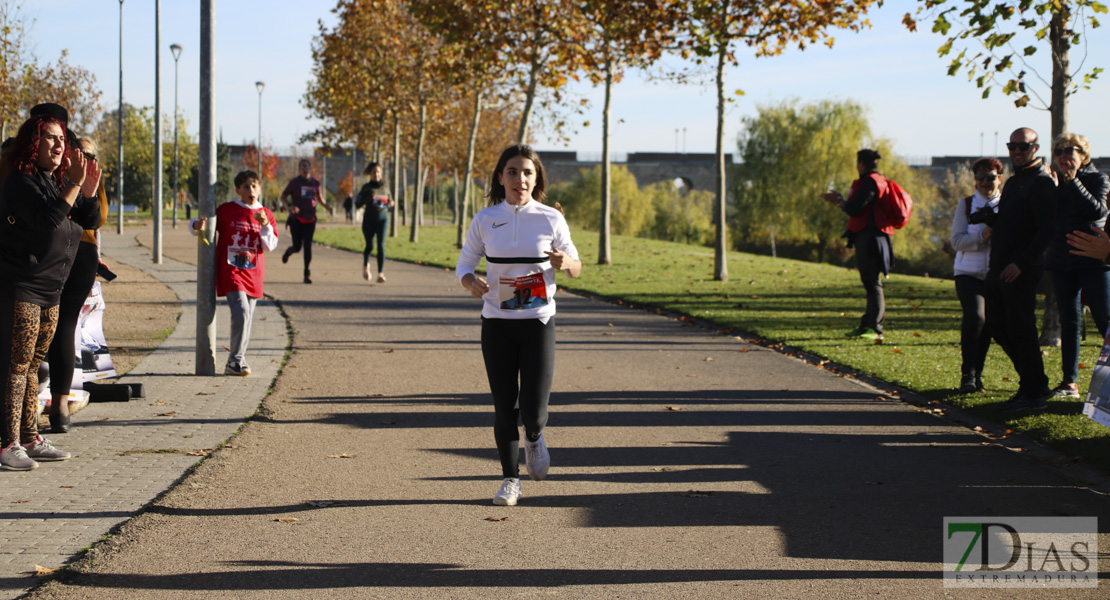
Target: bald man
[(1021, 233)]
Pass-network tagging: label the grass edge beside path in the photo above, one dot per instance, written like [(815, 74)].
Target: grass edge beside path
[(808, 307)]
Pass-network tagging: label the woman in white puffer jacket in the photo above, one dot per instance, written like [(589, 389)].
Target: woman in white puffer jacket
[(972, 244)]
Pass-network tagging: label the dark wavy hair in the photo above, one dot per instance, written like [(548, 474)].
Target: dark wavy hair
[(988, 163), (496, 192), (370, 167), (245, 176), (25, 148)]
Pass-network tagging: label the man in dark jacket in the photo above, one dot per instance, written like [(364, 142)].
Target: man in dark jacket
[(1022, 230), (870, 233)]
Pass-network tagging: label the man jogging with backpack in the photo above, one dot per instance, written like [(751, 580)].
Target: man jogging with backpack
[(876, 207)]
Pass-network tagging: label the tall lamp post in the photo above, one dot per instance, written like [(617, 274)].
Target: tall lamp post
[(119, 127), (260, 85), (176, 50)]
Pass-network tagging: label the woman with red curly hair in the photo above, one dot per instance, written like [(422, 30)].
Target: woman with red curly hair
[(38, 242)]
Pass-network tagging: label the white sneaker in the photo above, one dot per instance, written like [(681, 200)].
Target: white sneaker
[(536, 458), (42, 449), (381, 277), (366, 272), (14, 458), (509, 492)]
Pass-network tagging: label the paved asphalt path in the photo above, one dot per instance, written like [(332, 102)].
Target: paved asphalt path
[(684, 464)]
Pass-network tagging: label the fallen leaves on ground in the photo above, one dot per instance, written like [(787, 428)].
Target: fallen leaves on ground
[(341, 456), (324, 503), (697, 494), (497, 518), (674, 408), (166, 414), (287, 520), (41, 571)]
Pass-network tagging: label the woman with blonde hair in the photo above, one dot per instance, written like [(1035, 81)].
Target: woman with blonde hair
[(1080, 205)]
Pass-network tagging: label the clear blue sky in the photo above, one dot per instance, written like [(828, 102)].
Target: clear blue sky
[(896, 74)]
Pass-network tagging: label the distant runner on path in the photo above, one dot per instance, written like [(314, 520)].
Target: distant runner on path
[(300, 198), (524, 244), (375, 219)]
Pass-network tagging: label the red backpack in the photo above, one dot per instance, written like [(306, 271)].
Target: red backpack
[(897, 204)]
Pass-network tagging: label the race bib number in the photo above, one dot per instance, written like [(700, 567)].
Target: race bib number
[(381, 201), (242, 258), (522, 293), (308, 192)]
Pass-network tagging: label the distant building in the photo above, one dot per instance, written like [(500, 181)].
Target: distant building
[(697, 171)]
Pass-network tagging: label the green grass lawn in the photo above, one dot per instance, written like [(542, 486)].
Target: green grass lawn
[(808, 306)]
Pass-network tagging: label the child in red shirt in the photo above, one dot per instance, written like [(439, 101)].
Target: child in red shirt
[(244, 230)]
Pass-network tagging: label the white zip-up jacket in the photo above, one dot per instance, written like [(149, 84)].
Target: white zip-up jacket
[(513, 240)]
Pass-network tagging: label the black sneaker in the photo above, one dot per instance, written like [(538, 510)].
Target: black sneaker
[(285, 255), (968, 385), (1025, 402)]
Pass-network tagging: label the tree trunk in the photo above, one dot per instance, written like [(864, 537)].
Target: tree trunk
[(396, 183), (469, 168), (604, 251), (455, 212), (530, 97), (403, 203), (377, 153), (418, 196), (435, 192), (1061, 81), (720, 248)]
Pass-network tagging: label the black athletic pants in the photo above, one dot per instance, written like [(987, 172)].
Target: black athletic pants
[(302, 237), (520, 364), (62, 354)]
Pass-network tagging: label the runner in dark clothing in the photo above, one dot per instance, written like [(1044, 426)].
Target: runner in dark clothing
[(300, 197), (375, 219)]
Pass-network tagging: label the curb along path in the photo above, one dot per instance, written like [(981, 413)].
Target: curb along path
[(126, 454)]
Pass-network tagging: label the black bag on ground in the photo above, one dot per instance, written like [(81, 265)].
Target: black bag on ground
[(109, 392)]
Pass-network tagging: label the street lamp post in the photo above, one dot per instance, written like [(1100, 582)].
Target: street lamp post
[(119, 127), (260, 85), (176, 50)]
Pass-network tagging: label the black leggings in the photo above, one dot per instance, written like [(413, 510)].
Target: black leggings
[(520, 364), (62, 352), (302, 237), (975, 339), (374, 224)]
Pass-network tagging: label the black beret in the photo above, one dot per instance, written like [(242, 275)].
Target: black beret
[(49, 108)]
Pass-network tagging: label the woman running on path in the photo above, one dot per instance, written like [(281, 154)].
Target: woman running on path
[(375, 219), (524, 243), (301, 196)]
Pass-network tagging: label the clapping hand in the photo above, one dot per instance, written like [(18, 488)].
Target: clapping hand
[(75, 170), (92, 179)]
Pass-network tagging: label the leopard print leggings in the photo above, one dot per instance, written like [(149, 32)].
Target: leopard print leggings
[(32, 331)]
